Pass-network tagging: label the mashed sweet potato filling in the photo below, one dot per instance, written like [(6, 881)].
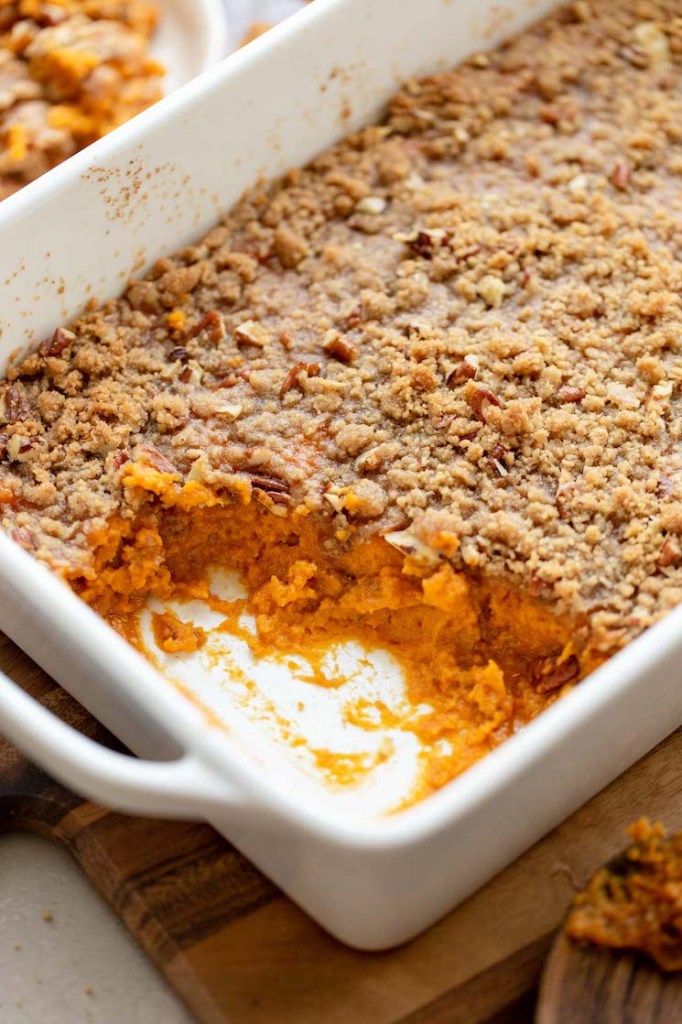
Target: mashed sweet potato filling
[(484, 657)]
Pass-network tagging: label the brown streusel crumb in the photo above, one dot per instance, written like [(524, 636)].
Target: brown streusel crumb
[(465, 320)]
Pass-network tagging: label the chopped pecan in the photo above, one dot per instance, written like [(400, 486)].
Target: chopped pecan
[(371, 204), (275, 503), (407, 543), (354, 318), (268, 484), (549, 676), (20, 445), (4, 441), (226, 382), (60, 341), (340, 348), (425, 243), (293, 377), (214, 326), (232, 410), (150, 456), (23, 537), (14, 406), (185, 375), (569, 393), (251, 333), (118, 459), (620, 175), (635, 55), (466, 370), (286, 340), (480, 399), (497, 458), (670, 553)]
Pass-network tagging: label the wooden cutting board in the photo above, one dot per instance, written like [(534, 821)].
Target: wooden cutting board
[(236, 950)]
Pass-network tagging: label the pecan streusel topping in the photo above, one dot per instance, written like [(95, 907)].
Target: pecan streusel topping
[(464, 321)]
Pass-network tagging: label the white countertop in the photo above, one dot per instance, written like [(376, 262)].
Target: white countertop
[(64, 957)]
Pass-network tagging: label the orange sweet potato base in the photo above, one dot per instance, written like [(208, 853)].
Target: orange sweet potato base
[(485, 657)]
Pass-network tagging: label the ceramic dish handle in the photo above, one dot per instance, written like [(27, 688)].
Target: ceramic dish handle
[(183, 788)]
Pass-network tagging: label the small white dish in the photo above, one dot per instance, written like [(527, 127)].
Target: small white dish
[(192, 36)]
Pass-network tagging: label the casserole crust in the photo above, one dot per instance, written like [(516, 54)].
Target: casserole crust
[(424, 392)]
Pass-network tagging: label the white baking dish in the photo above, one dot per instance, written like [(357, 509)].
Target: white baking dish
[(371, 882)]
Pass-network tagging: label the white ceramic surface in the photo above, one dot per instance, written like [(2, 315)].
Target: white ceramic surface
[(372, 881), (193, 35)]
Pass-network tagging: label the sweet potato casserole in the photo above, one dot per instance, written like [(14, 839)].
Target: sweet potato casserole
[(70, 71), (423, 393), (635, 901)]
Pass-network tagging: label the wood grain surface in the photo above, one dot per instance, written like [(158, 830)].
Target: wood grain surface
[(238, 951), (587, 985)]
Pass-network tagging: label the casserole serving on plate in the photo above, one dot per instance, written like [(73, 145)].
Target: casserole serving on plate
[(73, 70), (385, 390)]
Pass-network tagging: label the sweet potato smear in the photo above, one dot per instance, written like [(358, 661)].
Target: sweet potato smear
[(635, 902), (175, 636), (484, 657)]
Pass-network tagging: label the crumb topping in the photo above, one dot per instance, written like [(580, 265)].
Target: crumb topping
[(460, 327)]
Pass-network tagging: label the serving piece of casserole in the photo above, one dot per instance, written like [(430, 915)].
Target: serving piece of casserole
[(423, 393), (70, 71)]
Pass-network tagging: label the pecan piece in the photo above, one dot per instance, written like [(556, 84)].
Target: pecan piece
[(354, 318), (424, 243), (214, 326), (269, 484), (14, 405), (569, 393), (275, 502), (620, 175), (341, 349), (61, 339), (225, 382), (118, 459), (635, 55), (464, 371), (251, 333), (670, 553), (480, 399), (549, 676), (20, 445), (150, 456), (496, 458), (293, 377), (23, 537)]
